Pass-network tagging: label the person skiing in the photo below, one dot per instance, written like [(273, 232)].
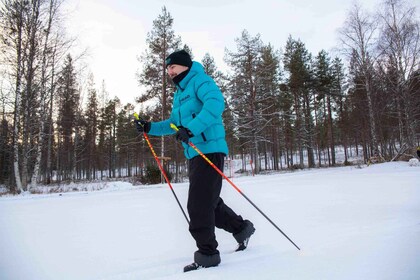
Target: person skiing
[(197, 112), (418, 151)]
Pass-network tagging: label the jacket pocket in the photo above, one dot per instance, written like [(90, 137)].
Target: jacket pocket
[(204, 137), (202, 133)]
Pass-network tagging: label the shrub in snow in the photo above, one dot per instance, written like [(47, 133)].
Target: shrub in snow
[(414, 162), (153, 175)]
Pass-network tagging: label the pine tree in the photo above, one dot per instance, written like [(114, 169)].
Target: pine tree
[(323, 86), (221, 80), (296, 61), (110, 125), (338, 93), (358, 113), (5, 147), (211, 69), (269, 89), (68, 101), (287, 118), (91, 129), (250, 101), (125, 135), (161, 42)]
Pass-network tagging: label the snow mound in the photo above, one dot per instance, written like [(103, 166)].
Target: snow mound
[(413, 162)]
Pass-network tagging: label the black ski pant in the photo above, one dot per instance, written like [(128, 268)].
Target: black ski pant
[(205, 207)]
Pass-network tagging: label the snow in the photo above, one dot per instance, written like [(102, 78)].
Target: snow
[(351, 223), (414, 162)]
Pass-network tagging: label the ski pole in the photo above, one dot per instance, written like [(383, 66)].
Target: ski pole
[(174, 127), (161, 168)]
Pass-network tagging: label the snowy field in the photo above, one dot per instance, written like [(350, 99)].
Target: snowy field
[(351, 223)]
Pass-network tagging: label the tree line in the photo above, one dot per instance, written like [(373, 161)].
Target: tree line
[(285, 108)]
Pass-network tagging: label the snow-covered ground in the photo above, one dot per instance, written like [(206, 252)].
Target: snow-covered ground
[(350, 223)]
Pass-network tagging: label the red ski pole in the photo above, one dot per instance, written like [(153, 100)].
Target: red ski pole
[(161, 168), (174, 127)]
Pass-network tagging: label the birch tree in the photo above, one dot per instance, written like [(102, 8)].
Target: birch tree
[(48, 50), (399, 46), (13, 18), (358, 37)]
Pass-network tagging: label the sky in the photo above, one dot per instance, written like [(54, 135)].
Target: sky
[(349, 222), (114, 32)]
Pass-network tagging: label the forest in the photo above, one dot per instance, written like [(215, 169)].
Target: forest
[(286, 108)]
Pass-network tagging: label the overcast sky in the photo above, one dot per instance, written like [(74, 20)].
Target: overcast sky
[(115, 31)]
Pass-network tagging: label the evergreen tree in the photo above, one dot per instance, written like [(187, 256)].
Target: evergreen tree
[(358, 114), (5, 148), (269, 88), (337, 92), (287, 120), (161, 42), (68, 101), (91, 129), (249, 98), (110, 125), (297, 61), (221, 80), (211, 69), (323, 89)]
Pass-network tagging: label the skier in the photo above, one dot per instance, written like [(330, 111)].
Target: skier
[(418, 151), (197, 111)]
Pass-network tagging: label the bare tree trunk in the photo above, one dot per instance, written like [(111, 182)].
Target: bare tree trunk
[(372, 123), (330, 130), (50, 118), (16, 131), (74, 161), (35, 173), (18, 101), (298, 129), (43, 92), (309, 132), (256, 155)]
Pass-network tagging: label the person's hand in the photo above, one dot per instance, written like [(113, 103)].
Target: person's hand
[(183, 134), (142, 126)]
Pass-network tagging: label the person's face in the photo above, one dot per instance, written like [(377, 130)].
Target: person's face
[(175, 69)]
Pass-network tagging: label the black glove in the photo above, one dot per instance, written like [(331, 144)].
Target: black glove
[(183, 134), (142, 126)]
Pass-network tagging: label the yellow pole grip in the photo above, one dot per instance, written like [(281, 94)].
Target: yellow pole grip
[(174, 127)]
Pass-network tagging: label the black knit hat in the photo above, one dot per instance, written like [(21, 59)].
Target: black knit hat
[(179, 57)]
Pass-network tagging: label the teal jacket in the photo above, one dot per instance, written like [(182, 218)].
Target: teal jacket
[(198, 105)]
